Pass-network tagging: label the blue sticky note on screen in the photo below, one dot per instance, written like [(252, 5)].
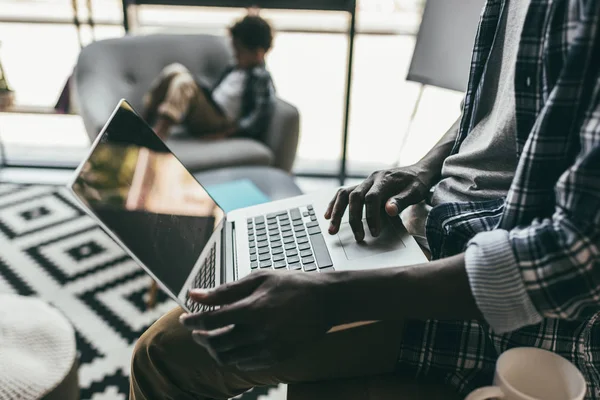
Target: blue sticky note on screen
[(237, 194)]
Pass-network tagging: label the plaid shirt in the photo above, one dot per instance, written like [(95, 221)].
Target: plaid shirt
[(533, 258)]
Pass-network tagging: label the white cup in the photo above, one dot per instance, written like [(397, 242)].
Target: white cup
[(527, 373)]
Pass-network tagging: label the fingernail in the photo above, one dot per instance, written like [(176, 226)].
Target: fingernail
[(373, 231), (200, 292)]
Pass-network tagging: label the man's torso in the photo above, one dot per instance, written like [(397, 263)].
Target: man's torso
[(557, 134)]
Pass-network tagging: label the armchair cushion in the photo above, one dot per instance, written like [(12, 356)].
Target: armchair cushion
[(198, 155)]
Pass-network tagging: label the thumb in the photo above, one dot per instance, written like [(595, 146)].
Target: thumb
[(412, 194), (224, 294), (396, 204)]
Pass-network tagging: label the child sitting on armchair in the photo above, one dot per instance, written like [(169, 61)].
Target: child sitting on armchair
[(241, 102)]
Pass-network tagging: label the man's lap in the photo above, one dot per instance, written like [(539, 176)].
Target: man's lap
[(168, 361)]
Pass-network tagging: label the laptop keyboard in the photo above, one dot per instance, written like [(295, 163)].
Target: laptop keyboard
[(205, 279), (289, 240)]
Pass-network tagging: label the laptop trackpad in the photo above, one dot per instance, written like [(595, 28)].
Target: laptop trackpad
[(388, 240)]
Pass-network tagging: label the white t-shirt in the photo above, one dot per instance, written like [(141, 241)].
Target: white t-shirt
[(228, 95)]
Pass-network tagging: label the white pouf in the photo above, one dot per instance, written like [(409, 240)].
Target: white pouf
[(37, 347)]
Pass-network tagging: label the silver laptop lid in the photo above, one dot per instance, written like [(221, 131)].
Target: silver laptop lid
[(147, 199)]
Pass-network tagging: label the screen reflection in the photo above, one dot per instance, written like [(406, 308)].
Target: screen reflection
[(144, 195)]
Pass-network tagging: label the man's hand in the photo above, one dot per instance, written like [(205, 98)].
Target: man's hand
[(268, 316), (394, 189), (263, 318)]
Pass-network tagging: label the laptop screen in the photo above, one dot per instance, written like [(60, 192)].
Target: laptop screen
[(146, 197)]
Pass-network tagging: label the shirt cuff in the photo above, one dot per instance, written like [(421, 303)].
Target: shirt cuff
[(497, 284)]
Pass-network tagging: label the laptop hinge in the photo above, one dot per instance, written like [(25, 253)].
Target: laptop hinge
[(229, 267)]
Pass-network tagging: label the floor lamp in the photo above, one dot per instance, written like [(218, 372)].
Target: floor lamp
[(442, 54)]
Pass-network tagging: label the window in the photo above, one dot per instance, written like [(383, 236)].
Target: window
[(40, 44)]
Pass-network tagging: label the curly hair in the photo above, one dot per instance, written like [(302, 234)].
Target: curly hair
[(253, 32)]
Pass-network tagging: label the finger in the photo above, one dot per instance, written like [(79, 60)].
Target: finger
[(330, 206), (233, 314), (250, 355), (373, 203), (233, 339), (355, 212), (391, 207), (255, 366), (339, 208), (226, 293)]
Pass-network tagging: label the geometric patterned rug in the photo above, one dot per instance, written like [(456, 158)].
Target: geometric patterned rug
[(52, 250)]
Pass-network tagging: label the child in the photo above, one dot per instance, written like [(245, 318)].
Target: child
[(241, 102)]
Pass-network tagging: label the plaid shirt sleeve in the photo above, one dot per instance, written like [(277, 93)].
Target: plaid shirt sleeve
[(257, 119), (551, 268), (533, 258)]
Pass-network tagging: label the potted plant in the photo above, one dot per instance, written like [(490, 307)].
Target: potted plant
[(7, 95)]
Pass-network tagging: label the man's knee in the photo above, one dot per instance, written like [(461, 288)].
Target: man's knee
[(154, 364), (144, 349), (145, 371), (167, 361)]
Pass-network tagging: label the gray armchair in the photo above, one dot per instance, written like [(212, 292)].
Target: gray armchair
[(110, 70)]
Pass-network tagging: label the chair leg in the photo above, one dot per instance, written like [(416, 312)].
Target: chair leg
[(152, 295)]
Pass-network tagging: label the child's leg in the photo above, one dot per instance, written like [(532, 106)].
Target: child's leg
[(203, 118), (158, 90), (185, 102)]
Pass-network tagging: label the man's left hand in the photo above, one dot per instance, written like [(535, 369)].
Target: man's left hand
[(262, 320)]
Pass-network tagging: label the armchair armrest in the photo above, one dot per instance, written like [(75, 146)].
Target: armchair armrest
[(283, 134), (99, 84)]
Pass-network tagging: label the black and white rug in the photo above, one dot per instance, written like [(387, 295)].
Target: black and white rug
[(51, 249)]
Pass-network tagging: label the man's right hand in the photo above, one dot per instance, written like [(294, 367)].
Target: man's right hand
[(393, 189)]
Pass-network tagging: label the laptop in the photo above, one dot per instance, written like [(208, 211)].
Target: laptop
[(154, 208)]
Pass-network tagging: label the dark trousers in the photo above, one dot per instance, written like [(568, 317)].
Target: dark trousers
[(168, 364)]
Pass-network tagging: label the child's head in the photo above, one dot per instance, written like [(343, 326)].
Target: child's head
[(252, 38)]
